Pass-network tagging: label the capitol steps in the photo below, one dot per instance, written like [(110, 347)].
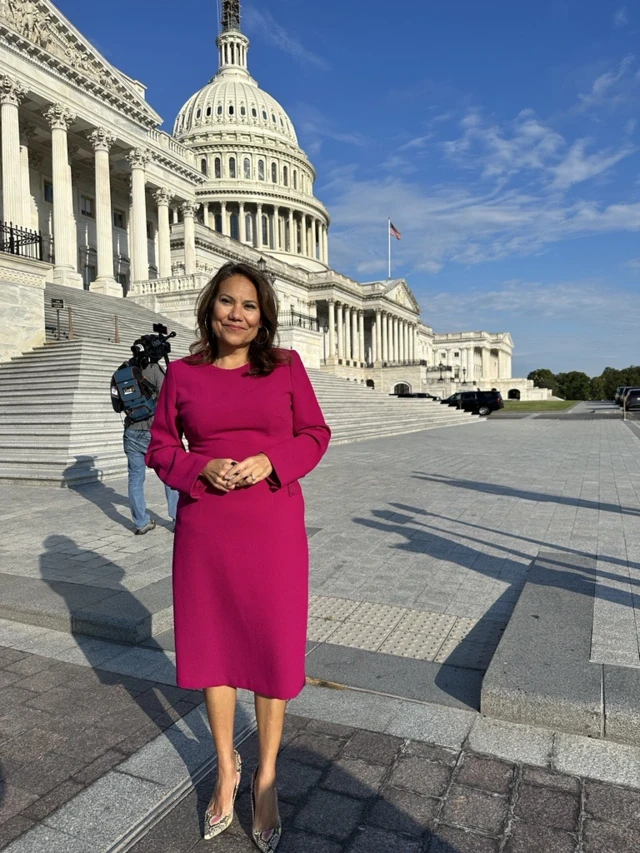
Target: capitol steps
[(57, 425)]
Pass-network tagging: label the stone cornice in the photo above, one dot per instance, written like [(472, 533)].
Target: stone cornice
[(314, 208), (35, 30)]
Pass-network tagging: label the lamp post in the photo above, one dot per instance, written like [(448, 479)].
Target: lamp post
[(464, 375), (262, 266), (441, 368), (325, 329)]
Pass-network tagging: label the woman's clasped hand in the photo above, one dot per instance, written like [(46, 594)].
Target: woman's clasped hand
[(227, 474)]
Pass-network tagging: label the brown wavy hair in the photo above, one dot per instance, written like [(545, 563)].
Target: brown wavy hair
[(264, 356)]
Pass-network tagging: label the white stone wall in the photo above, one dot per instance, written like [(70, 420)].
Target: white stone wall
[(21, 305)]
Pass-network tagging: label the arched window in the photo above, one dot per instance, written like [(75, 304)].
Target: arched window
[(265, 230), (247, 168), (248, 227), (219, 110), (218, 222), (231, 109), (274, 173), (285, 176), (199, 113), (243, 111), (261, 170), (273, 118), (295, 179), (235, 234), (232, 167), (218, 167), (264, 115), (254, 112), (203, 166)]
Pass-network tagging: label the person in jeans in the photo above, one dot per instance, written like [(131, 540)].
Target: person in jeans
[(137, 436)]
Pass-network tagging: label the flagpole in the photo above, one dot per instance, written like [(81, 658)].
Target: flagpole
[(389, 239)]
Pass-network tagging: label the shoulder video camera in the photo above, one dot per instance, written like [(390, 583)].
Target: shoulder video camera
[(150, 349)]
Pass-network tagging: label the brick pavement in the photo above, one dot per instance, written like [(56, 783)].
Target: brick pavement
[(63, 725), (346, 789)]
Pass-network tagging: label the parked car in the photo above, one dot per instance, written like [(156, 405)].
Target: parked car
[(631, 389), (477, 402), (616, 396), (633, 399), (417, 394), (625, 390)]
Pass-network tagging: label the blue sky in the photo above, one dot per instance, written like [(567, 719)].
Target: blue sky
[(501, 137)]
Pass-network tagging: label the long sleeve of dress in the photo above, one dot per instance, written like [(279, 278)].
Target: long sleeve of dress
[(294, 458), (175, 466)]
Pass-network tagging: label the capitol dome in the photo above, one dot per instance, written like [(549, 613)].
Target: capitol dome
[(260, 182)]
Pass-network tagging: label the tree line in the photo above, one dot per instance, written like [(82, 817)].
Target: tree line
[(576, 385)]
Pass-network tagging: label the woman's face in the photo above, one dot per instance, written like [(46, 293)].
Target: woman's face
[(235, 317)]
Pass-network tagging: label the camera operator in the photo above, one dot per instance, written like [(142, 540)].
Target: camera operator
[(143, 380)]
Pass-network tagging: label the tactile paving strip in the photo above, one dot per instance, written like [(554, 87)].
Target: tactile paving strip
[(327, 607), (419, 634), (360, 636), (415, 644), (319, 630), (382, 615)]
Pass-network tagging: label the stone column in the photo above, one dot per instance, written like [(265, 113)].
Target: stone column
[(276, 229), (138, 159), (64, 233), (105, 282), (325, 244), (394, 339), (292, 243), (259, 242), (188, 213), (340, 330), (377, 339), (163, 199), (332, 331), (384, 333), (242, 225), (223, 218), (361, 335), (347, 333), (486, 364), (27, 131), (11, 94), (312, 230), (355, 337)]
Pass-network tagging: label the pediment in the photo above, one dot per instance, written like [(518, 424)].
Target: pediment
[(400, 293), (38, 28)]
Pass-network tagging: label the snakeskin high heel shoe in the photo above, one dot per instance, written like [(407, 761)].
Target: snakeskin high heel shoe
[(215, 824), (265, 840)]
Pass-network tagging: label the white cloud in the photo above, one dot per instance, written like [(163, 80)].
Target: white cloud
[(265, 25), (579, 166), (621, 18), (612, 88), (314, 127)]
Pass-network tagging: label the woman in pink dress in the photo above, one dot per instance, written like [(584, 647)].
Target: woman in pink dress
[(240, 564)]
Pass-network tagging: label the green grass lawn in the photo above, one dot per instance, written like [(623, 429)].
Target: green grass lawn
[(537, 405)]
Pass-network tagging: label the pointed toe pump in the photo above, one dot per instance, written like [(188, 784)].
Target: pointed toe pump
[(265, 840), (215, 824)]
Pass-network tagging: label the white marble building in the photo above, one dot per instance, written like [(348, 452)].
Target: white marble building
[(124, 208)]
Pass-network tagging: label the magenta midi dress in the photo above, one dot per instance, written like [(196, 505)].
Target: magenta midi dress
[(240, 559)]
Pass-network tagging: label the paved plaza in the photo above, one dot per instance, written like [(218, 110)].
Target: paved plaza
[(422, 548)]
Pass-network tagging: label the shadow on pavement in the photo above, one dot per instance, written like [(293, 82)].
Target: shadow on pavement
[(541, 497), (137, 705), (339, 789), (104, 497)]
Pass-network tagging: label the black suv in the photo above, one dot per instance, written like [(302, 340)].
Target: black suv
[(477, 402)]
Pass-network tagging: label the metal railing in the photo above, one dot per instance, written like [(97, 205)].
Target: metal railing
[(293, 319), (21, 242)]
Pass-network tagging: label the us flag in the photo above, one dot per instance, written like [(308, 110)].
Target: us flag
[(394, 231)]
